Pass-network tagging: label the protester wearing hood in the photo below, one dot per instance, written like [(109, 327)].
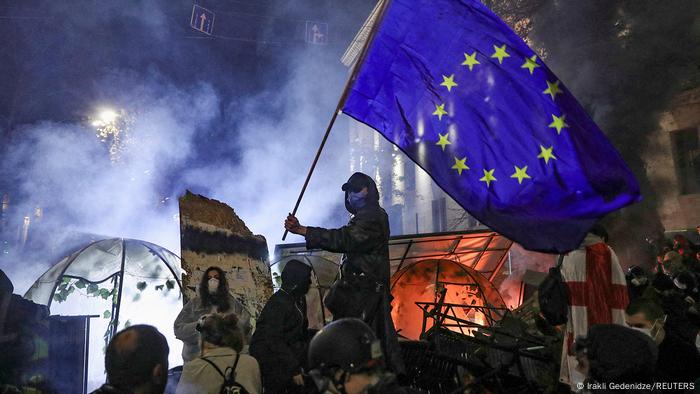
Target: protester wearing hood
[(362, 291), (281, 336), (213, 297), (678, 359)]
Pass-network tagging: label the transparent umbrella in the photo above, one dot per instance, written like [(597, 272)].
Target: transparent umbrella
[(123, 282)]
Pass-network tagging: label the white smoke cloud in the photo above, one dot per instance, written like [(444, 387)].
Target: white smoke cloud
[(66, 169), (277, 151)]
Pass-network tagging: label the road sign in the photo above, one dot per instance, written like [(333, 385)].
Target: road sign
[(316, 33), (202, 19)]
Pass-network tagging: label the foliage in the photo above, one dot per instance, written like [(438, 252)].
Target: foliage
[(69, 285)]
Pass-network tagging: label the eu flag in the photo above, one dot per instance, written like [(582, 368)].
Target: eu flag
[(464, 97)]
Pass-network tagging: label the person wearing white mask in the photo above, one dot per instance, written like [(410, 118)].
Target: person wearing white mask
[(678, 360), (213, 296)]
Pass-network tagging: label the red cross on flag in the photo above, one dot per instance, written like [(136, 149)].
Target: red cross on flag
[(597, 295)]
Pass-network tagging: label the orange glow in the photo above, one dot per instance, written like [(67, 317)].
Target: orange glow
[(422, 281)]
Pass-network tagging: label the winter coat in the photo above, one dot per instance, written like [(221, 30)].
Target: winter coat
[(199, 377), (364, 241), (280, 340), (363, 289), (186, 323)]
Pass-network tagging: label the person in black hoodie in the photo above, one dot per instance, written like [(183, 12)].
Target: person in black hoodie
[(281, 336), (362, 291)]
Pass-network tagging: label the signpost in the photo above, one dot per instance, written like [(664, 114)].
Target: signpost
[(316, 33), (202, 19)]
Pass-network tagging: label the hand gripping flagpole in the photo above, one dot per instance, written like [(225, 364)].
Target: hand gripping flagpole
[(343, 97)]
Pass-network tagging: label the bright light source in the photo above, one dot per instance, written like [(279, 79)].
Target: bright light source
[(107, 115)]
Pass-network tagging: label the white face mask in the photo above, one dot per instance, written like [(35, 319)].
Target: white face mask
[(653, 331), (213, 285), (645, 331)]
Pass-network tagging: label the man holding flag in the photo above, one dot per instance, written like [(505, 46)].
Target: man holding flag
[(452, 86)]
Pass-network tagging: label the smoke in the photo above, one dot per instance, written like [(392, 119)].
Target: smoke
[(239, 121), (237, 118), (65, 169), (624, 61)]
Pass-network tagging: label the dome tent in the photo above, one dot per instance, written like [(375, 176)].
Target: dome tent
[(120, 282)]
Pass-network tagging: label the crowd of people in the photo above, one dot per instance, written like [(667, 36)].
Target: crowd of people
[(636, 331), (353, 354), (622, 329)]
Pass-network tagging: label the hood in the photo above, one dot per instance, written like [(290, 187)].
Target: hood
[(357, 182), (296, 277)]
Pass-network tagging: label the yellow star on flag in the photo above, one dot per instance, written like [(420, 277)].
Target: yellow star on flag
[(500, 53), (448, 82), (439, 111), (470, 60), (488, 177), (443, 141), (520, 174), (546, 154), (552, 89), (530, 64), (460, 165), (558, 122)]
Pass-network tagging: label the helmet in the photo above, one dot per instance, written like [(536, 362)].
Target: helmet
[(347, 344), (637, 276)]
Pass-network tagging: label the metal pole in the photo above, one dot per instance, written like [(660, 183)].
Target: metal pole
[(121, 287), (341, 102)]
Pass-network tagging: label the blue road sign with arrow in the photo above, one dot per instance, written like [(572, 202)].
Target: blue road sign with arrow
[(202, 19)]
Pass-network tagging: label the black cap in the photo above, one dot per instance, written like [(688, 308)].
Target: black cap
[(356, 182)]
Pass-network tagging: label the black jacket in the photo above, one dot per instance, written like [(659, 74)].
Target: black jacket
[(364, 241), (280, 340), (678, 360), (363, 291)]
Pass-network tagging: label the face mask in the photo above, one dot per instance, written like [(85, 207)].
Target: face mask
[(357, 200), (645, 331), (213, 285), (653, 331)]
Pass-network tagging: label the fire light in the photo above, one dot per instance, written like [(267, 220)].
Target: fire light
[(112, 128)]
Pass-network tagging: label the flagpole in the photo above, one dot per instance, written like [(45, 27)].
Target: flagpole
[(341, 102)]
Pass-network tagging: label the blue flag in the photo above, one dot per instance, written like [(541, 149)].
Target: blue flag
[(464, 97)]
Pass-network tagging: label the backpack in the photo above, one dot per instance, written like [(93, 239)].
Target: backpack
[(230, 386), (553, 296)]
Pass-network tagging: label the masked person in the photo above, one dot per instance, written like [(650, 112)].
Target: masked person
[(345, 357), (213, 296), (281, 334), (362, 291), (678, 360)]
